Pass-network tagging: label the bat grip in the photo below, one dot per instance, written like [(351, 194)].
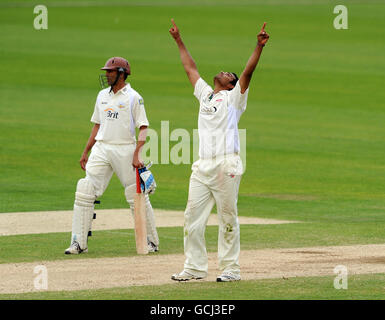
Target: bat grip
[(138, 189)]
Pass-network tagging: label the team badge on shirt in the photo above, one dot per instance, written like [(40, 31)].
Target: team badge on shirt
[(141, 101), (121, 105)]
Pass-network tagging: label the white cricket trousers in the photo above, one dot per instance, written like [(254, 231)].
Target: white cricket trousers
[(104, 160), (213, 181)]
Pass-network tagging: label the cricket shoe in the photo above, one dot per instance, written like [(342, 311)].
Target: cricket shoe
[(185, 276), (75, 249), (228, 277), (152, 247)]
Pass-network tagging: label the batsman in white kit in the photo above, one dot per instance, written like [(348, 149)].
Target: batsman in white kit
[(217, 174), (119, 109)]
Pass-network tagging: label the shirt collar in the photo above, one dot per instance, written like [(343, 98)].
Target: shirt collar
[(124, 90), (212, 94)]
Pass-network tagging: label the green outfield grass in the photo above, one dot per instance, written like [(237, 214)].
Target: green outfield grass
[(315, 122), (315, 111), (362, 287)]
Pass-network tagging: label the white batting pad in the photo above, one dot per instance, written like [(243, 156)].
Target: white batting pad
[(83, 212), (85, 193)]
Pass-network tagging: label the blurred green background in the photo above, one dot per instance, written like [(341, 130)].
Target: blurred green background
[(315, 116)]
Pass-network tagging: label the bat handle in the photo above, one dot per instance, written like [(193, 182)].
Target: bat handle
[(138, 190)]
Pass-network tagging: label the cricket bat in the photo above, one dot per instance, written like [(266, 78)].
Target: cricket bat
[(140, 218)]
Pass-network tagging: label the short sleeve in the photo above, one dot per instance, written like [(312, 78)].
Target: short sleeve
[(139, 113), (201, 89), (238, 99), (96, 116)]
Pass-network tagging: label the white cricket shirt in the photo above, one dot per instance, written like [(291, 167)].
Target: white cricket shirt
[(118, 114), (218, 119)]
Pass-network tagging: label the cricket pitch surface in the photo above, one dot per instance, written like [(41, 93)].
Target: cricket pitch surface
[(156, 269), (61, 221)]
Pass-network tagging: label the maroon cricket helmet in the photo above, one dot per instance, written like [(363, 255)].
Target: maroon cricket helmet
[(117, 63)]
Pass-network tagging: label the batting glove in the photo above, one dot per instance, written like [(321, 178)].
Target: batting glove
[(147, 181)]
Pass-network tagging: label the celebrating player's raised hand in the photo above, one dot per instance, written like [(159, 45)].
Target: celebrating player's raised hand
[(187, 61), (174, 31), (247, 73), (263, 36)]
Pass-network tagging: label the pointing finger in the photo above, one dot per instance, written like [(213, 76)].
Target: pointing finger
[(263, 28), (173, 22)]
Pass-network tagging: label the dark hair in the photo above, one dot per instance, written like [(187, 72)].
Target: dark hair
[(125, 75), (234, 82)]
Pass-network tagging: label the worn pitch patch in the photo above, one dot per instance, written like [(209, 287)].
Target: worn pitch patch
[(80, 273), (61, 221)]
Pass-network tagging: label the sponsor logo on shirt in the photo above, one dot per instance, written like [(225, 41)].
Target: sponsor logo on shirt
[(208, 110), (111, 114), (141, 101)]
